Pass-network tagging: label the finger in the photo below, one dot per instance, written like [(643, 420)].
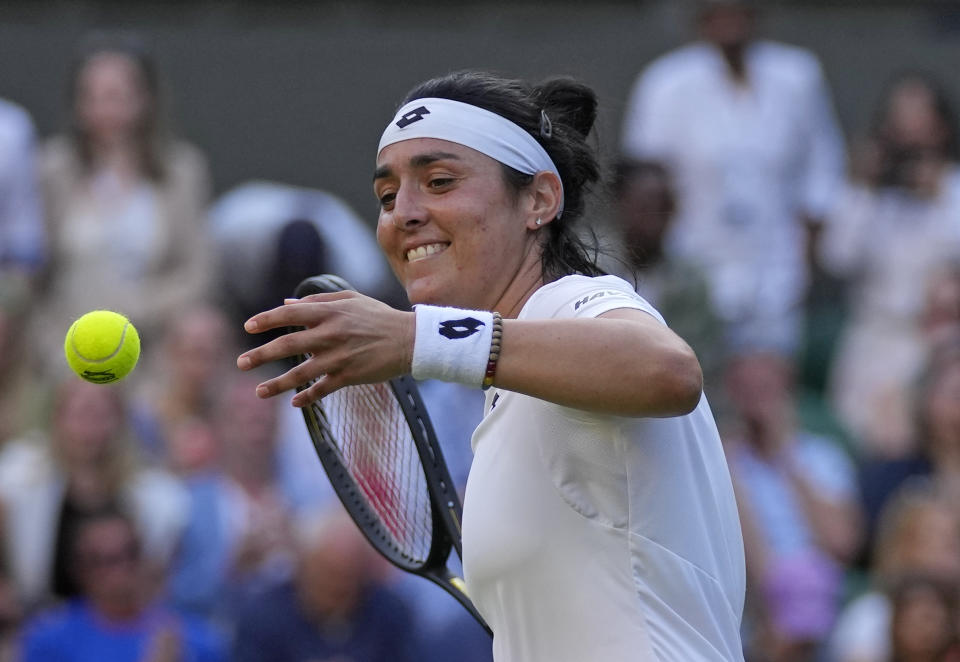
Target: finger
[(325, 296), (300, 374), (317, 391), (288, 345), (301, 313)]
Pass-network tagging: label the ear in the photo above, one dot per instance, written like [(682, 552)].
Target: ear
[(546, 193)]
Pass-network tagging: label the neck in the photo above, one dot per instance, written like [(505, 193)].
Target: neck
[(767, 436), (254, 477), (117, 611), (529, 279), (87, 486), (115, 153), (736, 60)]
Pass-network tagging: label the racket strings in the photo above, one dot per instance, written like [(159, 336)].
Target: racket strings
[(378, 450)]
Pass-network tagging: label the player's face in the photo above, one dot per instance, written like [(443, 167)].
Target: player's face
[(450, 226)]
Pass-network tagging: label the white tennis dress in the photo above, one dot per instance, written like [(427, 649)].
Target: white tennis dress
[(591, 537)]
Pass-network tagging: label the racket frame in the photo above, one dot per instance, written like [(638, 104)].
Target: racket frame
[(445, 502)]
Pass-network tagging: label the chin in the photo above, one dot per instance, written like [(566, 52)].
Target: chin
[(426, 292)]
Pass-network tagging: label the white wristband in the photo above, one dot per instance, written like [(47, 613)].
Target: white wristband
[(452, 344)]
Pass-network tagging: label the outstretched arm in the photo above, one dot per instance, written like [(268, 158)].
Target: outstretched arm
[(624, 362)]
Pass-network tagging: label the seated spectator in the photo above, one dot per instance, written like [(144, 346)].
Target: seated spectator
[(195, 352), (892, 228), (918, 533), (10, 611), (940, 316), (124, 201), (310, 232), (239, 531), (923, 626), (645, 208), (936, 426), (22, 256), (115, 616), (797, 494), (333, 608), (20, 392), (22, 232), (84, 464)]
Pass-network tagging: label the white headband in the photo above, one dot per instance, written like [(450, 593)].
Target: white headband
[(473, 127)]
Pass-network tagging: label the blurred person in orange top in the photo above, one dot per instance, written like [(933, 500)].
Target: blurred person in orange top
[(125, 202), (86, 462)]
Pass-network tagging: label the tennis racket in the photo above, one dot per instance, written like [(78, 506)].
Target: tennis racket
[(379, 450)]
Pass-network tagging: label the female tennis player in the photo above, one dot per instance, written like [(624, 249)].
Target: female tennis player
[(599, 519)]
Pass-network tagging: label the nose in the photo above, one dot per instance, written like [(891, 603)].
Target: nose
[(408, 210)]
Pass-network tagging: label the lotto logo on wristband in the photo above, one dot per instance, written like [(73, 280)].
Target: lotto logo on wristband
[(462, 328)]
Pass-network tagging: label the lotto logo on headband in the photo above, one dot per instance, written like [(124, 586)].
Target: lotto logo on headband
[(414, 115)]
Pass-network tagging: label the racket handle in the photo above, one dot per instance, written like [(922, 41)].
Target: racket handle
[(456, 587)]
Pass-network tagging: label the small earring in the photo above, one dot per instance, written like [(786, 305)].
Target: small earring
[(539, 221)]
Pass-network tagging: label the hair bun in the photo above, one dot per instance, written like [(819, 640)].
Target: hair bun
[(569, 102)]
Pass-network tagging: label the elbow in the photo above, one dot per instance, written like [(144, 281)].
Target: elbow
[(682, 382)]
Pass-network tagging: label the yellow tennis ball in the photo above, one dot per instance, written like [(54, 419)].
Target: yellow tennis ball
[(102, 346)]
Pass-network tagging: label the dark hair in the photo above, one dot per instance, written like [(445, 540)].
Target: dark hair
[(150, 130), (571, 108)]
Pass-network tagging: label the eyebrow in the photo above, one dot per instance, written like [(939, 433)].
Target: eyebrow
[(418, 161)]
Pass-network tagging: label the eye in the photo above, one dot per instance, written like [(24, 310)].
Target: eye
[(440, 182), (386, 199)]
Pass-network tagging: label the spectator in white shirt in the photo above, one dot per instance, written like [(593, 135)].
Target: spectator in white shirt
[(748, 128)]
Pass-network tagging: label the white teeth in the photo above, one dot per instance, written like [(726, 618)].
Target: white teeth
[(421, 252)]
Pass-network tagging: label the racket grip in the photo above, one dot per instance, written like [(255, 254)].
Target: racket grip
[(456, 587), (322, 284), (459, 584)]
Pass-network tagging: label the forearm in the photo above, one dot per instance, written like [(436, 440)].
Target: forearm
[(624, 362), (608, 365)]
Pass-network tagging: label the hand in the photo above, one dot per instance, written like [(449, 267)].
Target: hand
[(164, 645), (350, 339)]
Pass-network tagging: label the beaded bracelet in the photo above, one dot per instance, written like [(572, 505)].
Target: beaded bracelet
[(494, 351)]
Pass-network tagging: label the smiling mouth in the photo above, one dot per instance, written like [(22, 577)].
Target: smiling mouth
[(422, 252)]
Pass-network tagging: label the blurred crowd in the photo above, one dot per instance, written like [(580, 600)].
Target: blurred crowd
[(179, 517)]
